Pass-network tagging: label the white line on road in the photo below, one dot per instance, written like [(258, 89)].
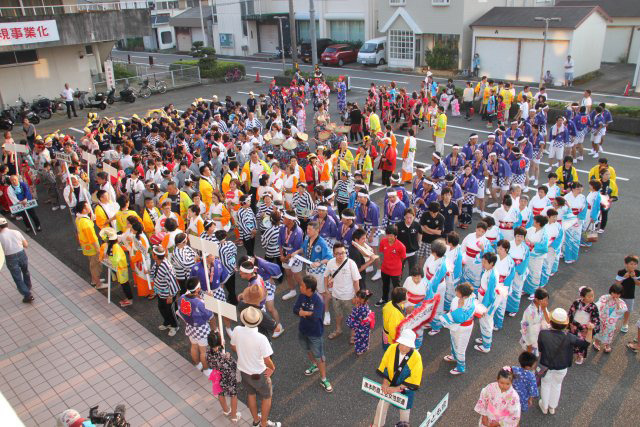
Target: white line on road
[(156, 53), (267, 68), (76, 130)]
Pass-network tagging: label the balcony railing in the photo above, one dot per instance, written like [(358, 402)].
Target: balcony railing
[(71, 8)]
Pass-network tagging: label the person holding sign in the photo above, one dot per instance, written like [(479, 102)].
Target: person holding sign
[(401, 371), (89, 242), (19, 193), (166, 287), (499, 403), (113, 252)]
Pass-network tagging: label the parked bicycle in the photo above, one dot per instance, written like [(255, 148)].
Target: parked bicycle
[(234, 75), (147, 89)]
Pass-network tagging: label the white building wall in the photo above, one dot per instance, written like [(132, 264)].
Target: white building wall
[(622, 40), (55, 67), (587, 44)]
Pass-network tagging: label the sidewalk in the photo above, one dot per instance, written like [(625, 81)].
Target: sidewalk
[(70, 349)]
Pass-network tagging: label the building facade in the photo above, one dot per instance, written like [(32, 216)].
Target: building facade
[(47, 43)]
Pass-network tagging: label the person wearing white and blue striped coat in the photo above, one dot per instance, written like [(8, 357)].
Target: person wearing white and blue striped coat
[(459, 321), (247, 224), (228, 254), (489, 299)]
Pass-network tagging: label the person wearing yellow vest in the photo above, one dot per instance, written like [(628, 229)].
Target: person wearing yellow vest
[(113, 252), (344, 155), (166, 214), (206, 186), (176, 196), (408, 156), (250, 175), (150, 216), (507, 97), (89, 242), (364, 164), (124, 213), (105, 210), (220, 215), (138, 246), (231, 174), (374, 122), (440, 129)]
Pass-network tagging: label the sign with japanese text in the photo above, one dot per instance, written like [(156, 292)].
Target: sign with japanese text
[(63, 157), (435, 415), (108, 72), (16, 148), (375, 389), (19, 207), (17, 33)]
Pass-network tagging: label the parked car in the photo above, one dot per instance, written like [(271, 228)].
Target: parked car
[(339, 54), (373, 52), (305, 48)]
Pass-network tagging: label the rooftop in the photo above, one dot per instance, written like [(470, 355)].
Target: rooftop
[(613, 8), (570, 16)]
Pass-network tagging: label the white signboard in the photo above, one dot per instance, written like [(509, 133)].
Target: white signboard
[(108, 72), (110, 170), (221, 308), (19, 207), (90, 158), (17, 33), (432, 417), (375, 389), (63, 157), (16, 148)]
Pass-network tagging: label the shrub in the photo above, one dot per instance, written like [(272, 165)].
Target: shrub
[(289, 72), (444, 57), (209, 69), (120, 71)]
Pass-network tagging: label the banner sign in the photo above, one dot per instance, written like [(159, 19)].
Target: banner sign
[(375, 389), (437, 412), (19, 207), (17, 33)]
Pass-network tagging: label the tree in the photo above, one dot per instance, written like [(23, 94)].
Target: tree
[(199, 51)]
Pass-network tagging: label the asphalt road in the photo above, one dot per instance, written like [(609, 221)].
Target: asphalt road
[(601, 392), (362, 76)]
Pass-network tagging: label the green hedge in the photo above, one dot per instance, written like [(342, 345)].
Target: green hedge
[(120, 71), (218, 70)]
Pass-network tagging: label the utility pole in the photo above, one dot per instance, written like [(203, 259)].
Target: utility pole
[(280, 19), (312, 30), (292, 34), (205, 39), (544, 42), (636, 75)]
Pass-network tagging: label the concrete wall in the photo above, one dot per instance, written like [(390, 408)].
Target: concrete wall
[(587, 44), (55, 67), (622, 40), (84, 28)]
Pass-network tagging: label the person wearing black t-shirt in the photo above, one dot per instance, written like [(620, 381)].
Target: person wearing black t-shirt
[(409, 234), (449, 211), (431, 224), (629, 278), (360, 237)]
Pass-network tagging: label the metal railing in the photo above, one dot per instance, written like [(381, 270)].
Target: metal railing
[(178, 78), (62, 9)]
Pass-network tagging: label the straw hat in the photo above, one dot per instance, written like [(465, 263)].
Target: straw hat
[(302, 136), (267, 137), (251, 317), (108, 233), (277, 141), (290, 144), (253, 295)]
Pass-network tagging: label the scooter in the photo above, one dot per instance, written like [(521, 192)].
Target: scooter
[(42, 107), (99, 100), (126, 95), (6, 122), (22, 111)]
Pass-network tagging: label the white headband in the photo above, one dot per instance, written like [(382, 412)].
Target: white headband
[(194, 289), (491, 135), (246, 270), (322, 208), (348, 217), (287, 216), (436, 156), (363, 195), (392, 193)]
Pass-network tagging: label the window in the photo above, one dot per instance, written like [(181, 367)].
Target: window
[(18, 57), (347, 31), (397, 2), (214, 11), (166, 37), (304, 33), (440, 2), (88, 49), (401, 44)]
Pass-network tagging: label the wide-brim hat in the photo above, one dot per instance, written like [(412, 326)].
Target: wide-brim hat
[(251, 317), (290, 144), (277, 141), (253, 295), (108, 233), (302, 136), (267, 137)]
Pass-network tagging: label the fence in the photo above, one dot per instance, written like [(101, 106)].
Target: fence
[(71, 8), (174, 79)]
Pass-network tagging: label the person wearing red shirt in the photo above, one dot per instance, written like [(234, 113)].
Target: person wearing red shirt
[(394, 254), (387, 162)]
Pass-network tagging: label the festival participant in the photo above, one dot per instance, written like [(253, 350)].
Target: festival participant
[(540, 202), (491, 300), (124, 213), (361, 321), (436, 272), (506, 217), (534, 319), (394, 253), (459, 321), (150, 216), (89, 242), (473, 246), (469, 185), (290, 241), (195, 223), (196, 316), (499, 403), (408, 156), (387, 162), (113, 252), (583, 312), (594, 204), (219, 213), (577, 202), (505, 270), (525, 214), (555, 236), (519, 252), (500, 171), (611, 308), (139, 247), (480, 170), (167, 213), (302, 204), (405, 380), (493, 234), (538, 243), (180, 201)]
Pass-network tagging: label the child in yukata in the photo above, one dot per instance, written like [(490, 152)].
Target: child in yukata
[(611, 308), (362, 321)]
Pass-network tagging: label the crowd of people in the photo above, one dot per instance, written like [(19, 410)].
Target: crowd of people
[(246, 174)]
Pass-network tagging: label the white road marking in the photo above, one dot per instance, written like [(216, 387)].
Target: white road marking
[(76, 130), (267, 68), (380, 80)]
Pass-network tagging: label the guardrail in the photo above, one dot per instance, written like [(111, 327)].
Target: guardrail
[(174, 79), (62, 9)]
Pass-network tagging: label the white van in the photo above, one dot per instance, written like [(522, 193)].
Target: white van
[(373, 52)]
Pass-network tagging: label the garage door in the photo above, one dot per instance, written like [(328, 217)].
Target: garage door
[(531, 55), (635, 46), (497, 58), (269, 38), (616, 43), (183, 41)]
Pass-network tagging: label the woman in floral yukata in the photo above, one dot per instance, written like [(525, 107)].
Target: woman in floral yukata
[(582, 312), (611, 308), (361, 322), (499, 403)]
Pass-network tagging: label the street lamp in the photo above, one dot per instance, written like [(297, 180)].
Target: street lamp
[(544, 43), (280, 19)]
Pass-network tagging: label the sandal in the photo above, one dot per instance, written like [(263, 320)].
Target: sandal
[(236, 418), (607, 349), (631, 346), (334, 334), (596, 347)]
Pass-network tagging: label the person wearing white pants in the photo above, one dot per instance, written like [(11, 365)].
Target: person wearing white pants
[(556, 355)]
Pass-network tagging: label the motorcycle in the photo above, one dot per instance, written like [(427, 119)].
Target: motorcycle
[(126, 95), (42, 107), (278, 54), (6, 121), (58, 104), (24, 111), (99, 100)]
